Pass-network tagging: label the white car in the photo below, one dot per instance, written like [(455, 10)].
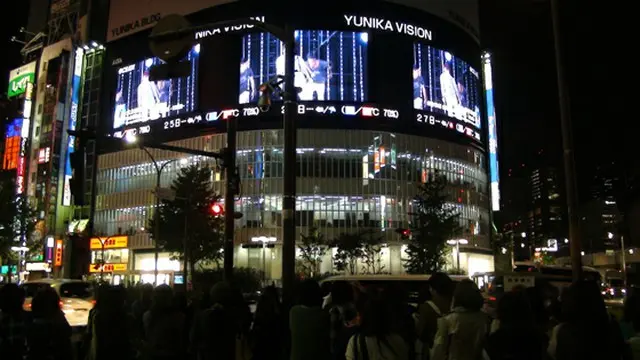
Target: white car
[(76, 297)]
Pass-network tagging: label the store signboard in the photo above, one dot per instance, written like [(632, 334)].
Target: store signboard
[(20, 77), (94, 268), (115, 242)]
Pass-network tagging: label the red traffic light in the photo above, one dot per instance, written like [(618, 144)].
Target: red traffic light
[(404, 233), (217, 209)]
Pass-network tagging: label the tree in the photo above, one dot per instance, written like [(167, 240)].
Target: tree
[(349, 248), (189, 215), (434, 221), (312, 248), (372, 253), (17, 223)]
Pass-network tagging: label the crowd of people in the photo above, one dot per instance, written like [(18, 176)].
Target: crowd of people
[(345, 322)]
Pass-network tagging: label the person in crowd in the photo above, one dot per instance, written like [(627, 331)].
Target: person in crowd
[(309, 325), (440, 293), (402, 315), (113, 328), (343, 317), (631, 318), (14, 322), (142, 305), (518, 336), (162, 325), (341, 302), (219, 332), (631, 311), (461, 334), (377, 338), (587, 331), (268, 326), (49, 336)]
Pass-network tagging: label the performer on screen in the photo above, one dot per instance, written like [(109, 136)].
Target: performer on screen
[(449, 88), (148, 98), (247, 82), (120, 113), (419, 90), (319, 74), (299, 77)]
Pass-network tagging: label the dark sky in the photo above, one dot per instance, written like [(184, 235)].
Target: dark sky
[(13, 15), (519, 33)]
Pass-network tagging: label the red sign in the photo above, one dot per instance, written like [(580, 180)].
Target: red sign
[(57, 259)]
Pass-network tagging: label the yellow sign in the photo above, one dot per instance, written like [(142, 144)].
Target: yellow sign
[(94, 268), (115, 242)]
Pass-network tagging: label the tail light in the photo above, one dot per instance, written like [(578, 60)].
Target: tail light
[(492, 298)]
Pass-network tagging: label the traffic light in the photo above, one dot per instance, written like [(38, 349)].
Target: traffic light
[(77, 162), (405, 234), (217, 209)]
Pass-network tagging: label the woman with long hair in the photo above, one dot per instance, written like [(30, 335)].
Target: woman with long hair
[(268, 326), (587, 330), (162, 325), (377, 338), (461, 334), (49, 336)]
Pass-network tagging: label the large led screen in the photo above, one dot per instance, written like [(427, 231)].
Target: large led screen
[(444, 84), (329, 65), (139, 100)]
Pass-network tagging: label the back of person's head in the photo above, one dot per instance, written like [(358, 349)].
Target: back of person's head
[(341, 293), (514, 311), (309, 293), (46, 303), (221, 294), (441, 284), (583, 307), (376, 317), (11, 299), (162, 299), (396, 294), (268, 305), (468, 296), (536, 299), (146, 293)]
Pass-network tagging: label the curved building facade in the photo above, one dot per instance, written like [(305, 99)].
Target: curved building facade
[(391, 98)]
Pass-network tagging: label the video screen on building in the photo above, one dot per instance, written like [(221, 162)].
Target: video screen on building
[(444, 84), (139, 100), (329, 65)]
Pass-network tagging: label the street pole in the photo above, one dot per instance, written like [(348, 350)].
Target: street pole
[(513, 250), (156, 225), (458, 253), (289, 191), (623, 257), (229, 199), (567, 142), (185, 245), (102, 258), (156, 211)]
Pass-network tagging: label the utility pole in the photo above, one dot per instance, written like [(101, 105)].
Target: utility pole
[(567, 142), (229, 198), (289, 193)]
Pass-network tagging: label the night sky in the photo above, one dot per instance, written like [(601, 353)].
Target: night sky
[(519, 34)]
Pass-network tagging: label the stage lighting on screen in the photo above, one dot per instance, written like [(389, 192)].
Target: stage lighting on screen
[(139, 100), (445, 84), (329, 65)]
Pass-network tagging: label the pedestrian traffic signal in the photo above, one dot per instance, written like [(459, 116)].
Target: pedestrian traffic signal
[(217, 209)]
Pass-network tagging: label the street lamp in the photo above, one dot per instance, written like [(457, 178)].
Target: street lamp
[(264, 240), (156, 213), (457, 243)]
